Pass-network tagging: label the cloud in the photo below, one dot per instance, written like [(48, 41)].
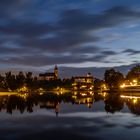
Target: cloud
[(77, 19), (109, 52), (131, 51), (25, 28), (45, 60), (71, 38)]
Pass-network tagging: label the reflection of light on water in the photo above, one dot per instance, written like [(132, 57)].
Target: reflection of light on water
[(8, 93), (129, 97), (83, 93), (103, 94), (24, 96), (41, 93), (134, 99)]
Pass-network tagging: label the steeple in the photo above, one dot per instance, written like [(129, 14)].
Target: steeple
[(56, 71), (57, 109)]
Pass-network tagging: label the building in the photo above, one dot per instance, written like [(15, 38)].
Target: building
[(49, 75), (83, 82)]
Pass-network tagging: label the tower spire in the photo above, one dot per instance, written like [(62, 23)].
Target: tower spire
[(56, 71)]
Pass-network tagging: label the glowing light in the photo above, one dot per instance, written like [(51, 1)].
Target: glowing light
[(134, 101), (129, 97), (123, 85), (24, 96), (23, 89), (83, 94), (135, 82), (91, 93)]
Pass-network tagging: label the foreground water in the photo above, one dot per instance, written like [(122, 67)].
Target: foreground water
[(101, 116)]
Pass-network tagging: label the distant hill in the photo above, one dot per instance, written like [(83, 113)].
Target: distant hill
[(97, 72)]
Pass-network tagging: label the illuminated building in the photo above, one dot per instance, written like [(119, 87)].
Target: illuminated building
[(49, 75), (130, 85), (83, 82)]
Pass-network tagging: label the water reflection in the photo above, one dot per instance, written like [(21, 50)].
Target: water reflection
[(81, 116), (113, 102), (132, 100)]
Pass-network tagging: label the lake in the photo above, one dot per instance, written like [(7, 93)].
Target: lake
[(100, 116)]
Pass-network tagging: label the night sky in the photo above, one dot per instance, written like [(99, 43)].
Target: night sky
[(37, 34)]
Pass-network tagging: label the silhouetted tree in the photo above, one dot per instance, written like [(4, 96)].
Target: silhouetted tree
[(10, 81), (113, 103), (29, 80), (134, 73), (20, 79), (113, 78), (2, 82), (97, 84), (67, 83)]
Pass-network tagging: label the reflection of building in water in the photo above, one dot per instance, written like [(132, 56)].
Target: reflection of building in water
[(83, 82), (134, 99), (57, 109), (132, 102), (83, 93), (49, 75), (51, 105), (87, 101)]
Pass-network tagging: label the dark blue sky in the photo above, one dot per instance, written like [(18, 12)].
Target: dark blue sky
[(37, 34)]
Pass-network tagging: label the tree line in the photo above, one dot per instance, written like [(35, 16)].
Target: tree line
[(112, 79), (13, 82)]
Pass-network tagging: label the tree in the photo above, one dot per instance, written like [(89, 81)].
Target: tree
[(10, 81), (97, 84), (113, 78), (134, 73), (29, 79), (1, 81), (20, 79)]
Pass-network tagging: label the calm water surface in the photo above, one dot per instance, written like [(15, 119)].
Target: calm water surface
[(49, 116)]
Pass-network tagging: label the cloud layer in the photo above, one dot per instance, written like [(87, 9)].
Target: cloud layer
[(34, 34)]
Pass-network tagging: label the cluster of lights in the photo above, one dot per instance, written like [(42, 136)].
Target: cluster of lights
[(87, 101), (60, 90), (90, 93), (133, 83), (41, 91), (23, 89), (123, 85), (24, 96), (134, 98), (129, 97)]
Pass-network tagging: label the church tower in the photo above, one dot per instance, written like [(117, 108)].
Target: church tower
[(56, 71)]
